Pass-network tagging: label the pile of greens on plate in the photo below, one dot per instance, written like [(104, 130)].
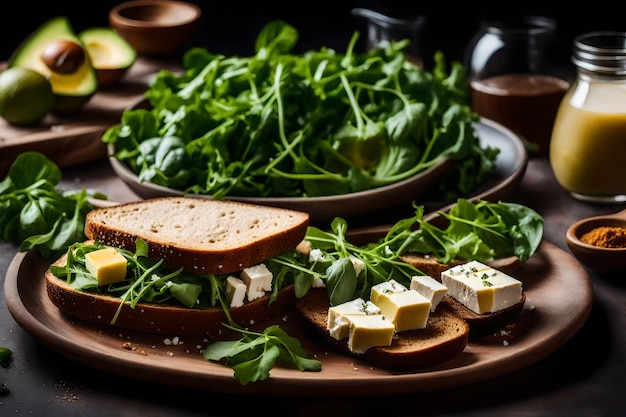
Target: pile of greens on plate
[(279, 124), (35, 214)]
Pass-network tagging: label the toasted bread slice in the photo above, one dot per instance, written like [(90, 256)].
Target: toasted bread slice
[(480, 324), (483, 324), (197, 234), (159, 318), (430, 266), (445, 336)]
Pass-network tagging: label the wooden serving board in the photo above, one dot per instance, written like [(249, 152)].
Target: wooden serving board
[(76, 139)]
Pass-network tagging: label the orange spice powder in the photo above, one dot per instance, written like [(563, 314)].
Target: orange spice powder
[(606, 237)]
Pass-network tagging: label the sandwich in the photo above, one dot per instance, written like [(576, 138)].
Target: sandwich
[(177, 265)]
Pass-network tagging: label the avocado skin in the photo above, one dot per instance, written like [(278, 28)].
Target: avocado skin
[(71, 91)]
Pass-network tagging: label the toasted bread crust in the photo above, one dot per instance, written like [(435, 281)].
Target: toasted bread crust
[(158, 318), (444, 337), (480, 324), (430, 266), (232, 235), (483, 324)]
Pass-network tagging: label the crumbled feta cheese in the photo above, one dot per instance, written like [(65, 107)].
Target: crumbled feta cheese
[(257, 279), (236, 291), (318, 283), (358, 264), (316, 255)]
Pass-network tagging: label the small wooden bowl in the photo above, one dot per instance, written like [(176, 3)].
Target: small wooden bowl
[(597, 258), (155, 27)]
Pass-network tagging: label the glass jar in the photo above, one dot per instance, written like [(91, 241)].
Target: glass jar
[(588, 146), (382, 29), (513, 80)]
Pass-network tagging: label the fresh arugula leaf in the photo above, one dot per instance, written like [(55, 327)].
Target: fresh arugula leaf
[(255, 354), (34, 214), (5, 357)]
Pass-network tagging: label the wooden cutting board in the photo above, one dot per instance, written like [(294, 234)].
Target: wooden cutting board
[(76, 139)]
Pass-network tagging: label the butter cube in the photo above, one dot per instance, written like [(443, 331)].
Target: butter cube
[(407, 309), (481, 288), (107, 265), (368, 331), (236, 291), (257, 279), (429, 288), (338, 323)]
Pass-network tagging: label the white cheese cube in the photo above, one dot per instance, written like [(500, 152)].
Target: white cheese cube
[(358, 265), (337, 320), (368, 331), (481, 288), (236, 291), (107, 265), (429, 288), (258, 279)]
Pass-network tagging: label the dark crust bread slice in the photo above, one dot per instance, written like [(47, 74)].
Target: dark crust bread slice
[(158, 318), (199, 234), (480, 324), (483, 324), (445, 336), (430, 266)]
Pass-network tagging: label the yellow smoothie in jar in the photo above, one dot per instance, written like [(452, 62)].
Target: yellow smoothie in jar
[(588, 144)]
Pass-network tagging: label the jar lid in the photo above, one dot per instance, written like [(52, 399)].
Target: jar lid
[(525, 26), (601, 52)]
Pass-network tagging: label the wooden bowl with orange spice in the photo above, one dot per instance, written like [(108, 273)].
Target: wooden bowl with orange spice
[(599, 242)]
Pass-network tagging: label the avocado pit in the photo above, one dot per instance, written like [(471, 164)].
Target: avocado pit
[(63, 56)]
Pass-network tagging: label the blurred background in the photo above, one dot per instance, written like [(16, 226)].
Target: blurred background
[(230, 28)]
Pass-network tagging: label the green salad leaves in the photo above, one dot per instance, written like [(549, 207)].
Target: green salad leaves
[(34, 214), (479, 230), (318, 123), (6, 355)]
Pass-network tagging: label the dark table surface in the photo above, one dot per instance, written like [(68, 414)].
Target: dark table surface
[(585, 377)]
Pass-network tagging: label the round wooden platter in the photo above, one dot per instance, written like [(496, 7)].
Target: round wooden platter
[(551, 316)]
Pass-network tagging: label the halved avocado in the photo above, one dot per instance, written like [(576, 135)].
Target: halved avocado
[(111, 55), (72, 85)]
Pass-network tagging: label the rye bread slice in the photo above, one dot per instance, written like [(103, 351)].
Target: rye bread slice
[(430, 266), (159, 318), (480, 324), (483, 324), (445, 336), (197, 234)]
